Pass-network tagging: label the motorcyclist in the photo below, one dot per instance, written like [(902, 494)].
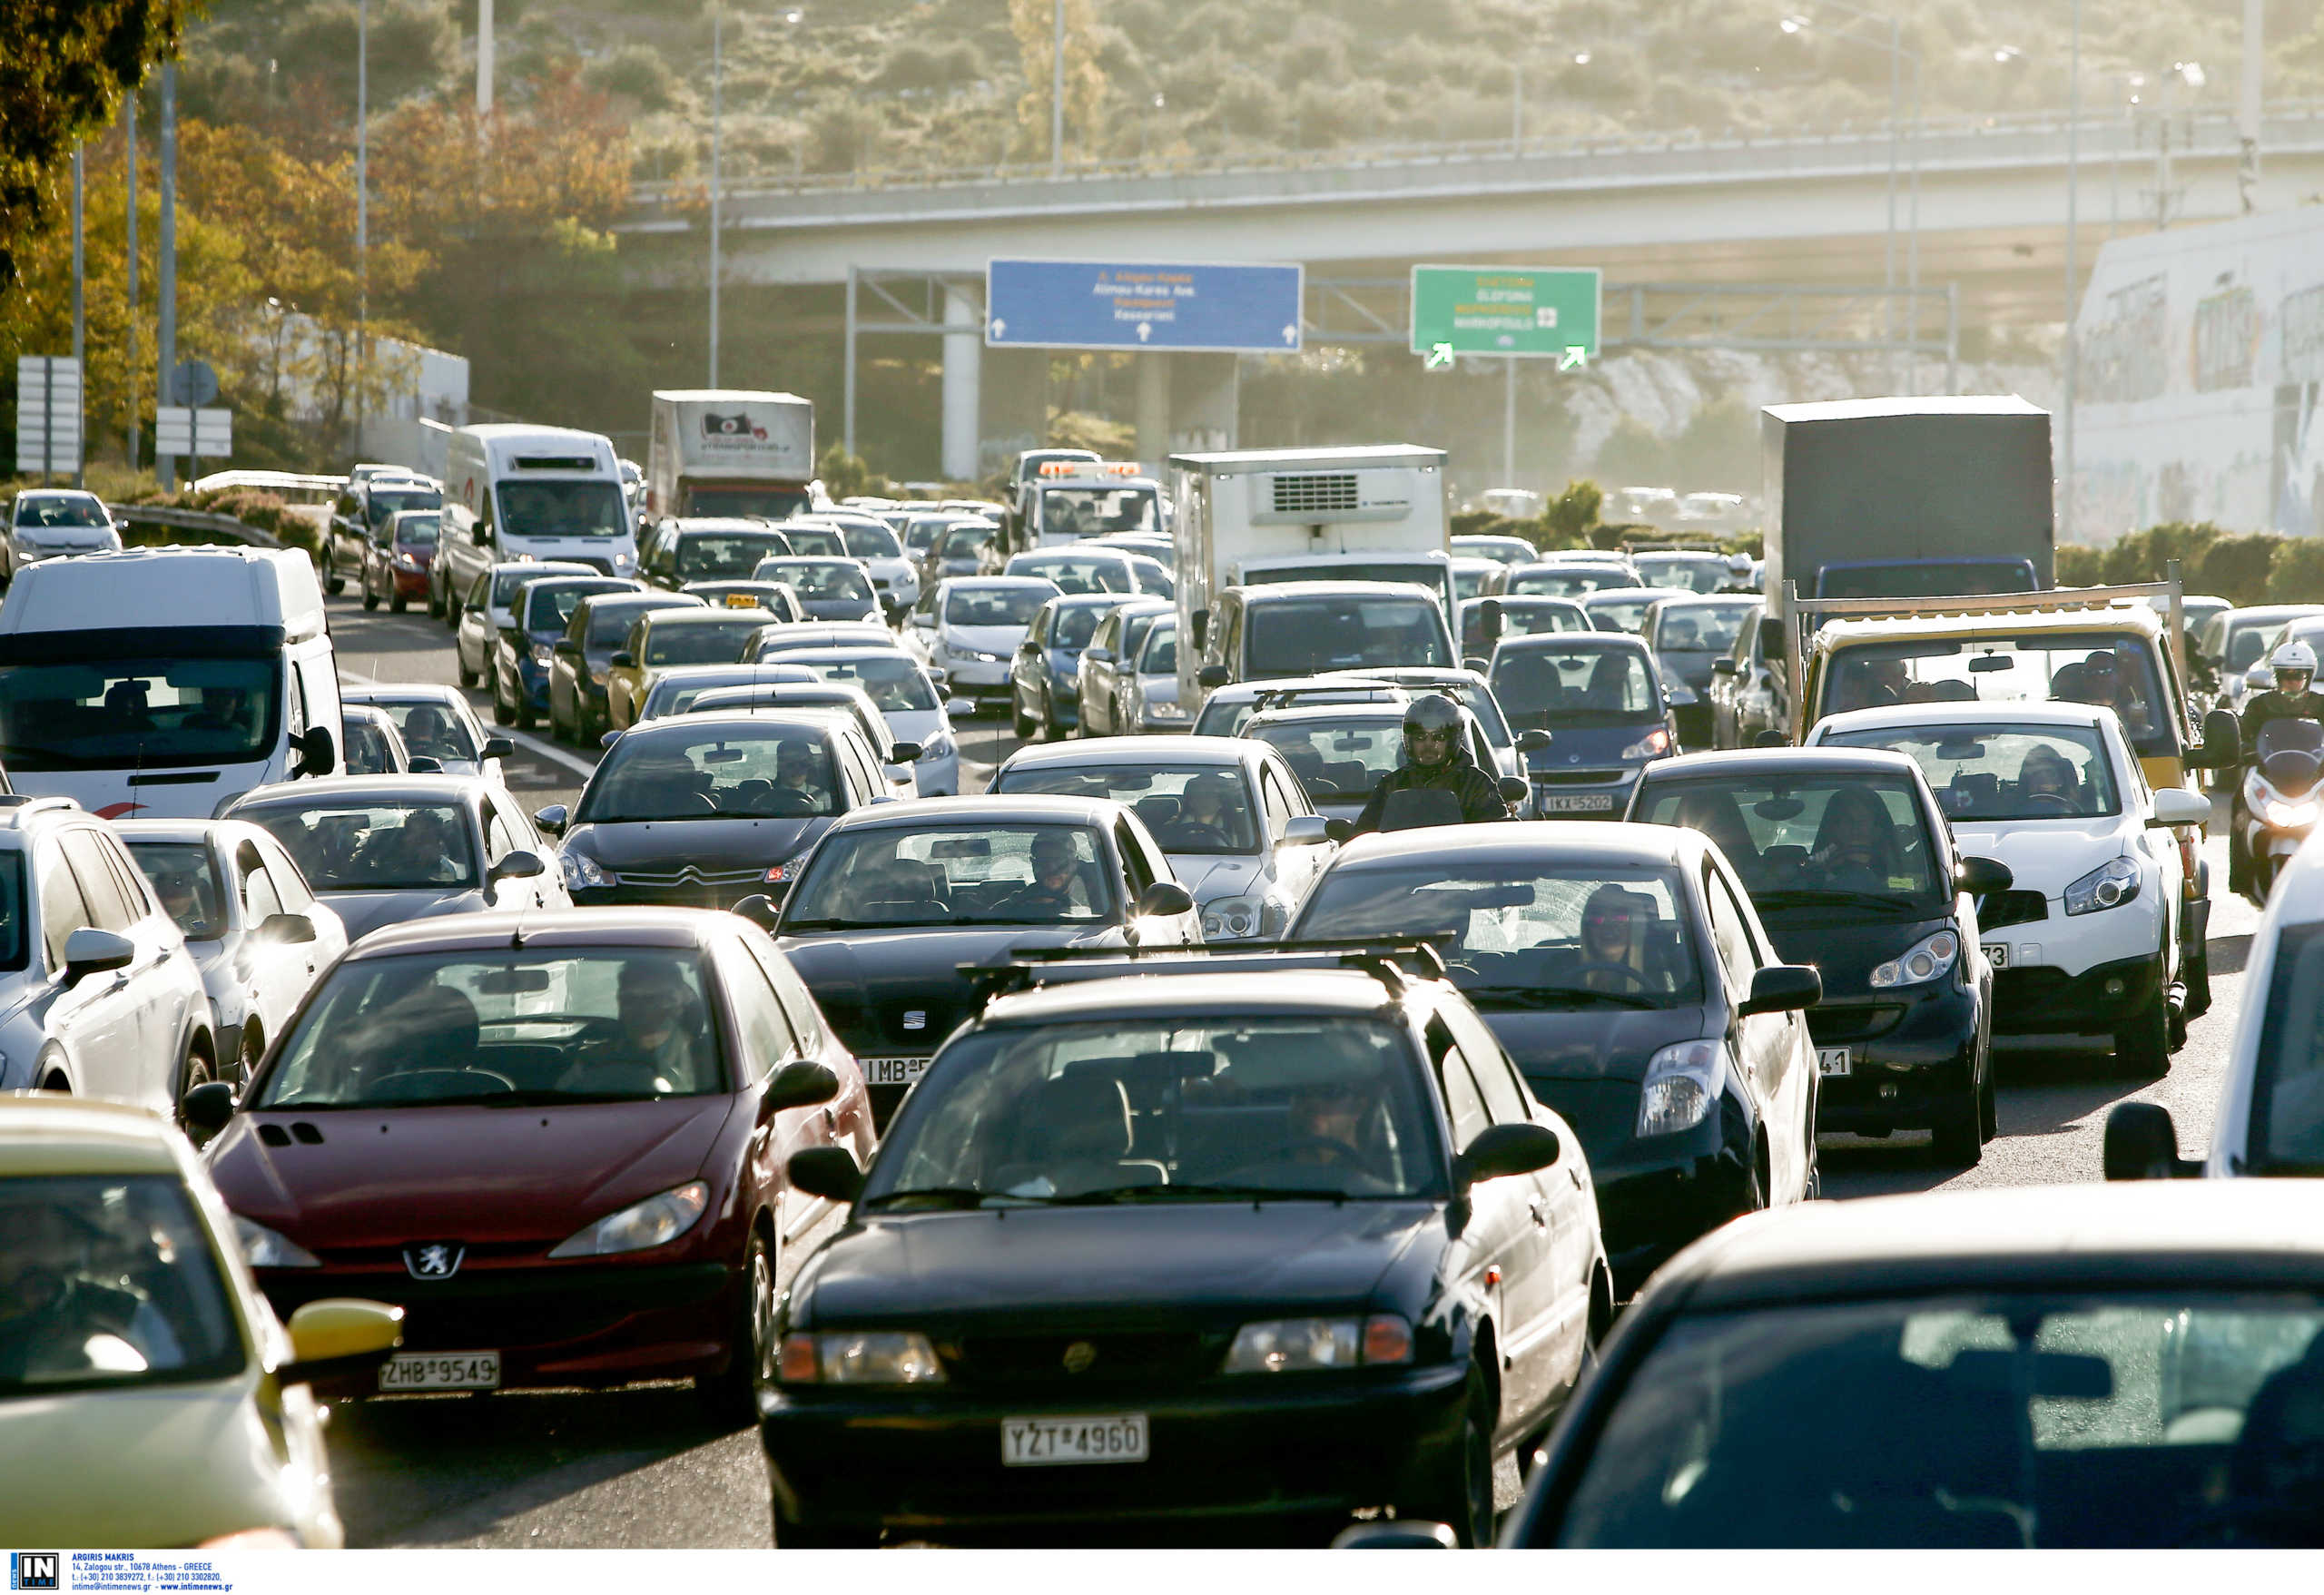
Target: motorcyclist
[(1437, 759), (2293, 697)]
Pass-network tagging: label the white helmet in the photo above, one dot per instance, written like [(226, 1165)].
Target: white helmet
[(2293, 656)]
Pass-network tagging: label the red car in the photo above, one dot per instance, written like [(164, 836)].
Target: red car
[(557, 1141), (396, 557)]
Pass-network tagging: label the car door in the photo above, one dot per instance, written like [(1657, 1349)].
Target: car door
[(1767, 1047), (163, 995), (1281, 801), (1503, 1252), (472, 636), (1025, 671), (97, 1019), (767, 1043), (507, 831), (1097, 676), (1139, 864)]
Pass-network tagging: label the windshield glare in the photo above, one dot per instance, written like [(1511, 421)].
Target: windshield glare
[(1697, 574), (501, 1029), (706, 557), (418, 531), (894, 682), (996, 605), (1189, 808), (383, 846), (1545, 685), (550, 608), (1569, 581), (384, 503), (1813, 835), (1097, 512), (1309, 636), (109, 713), (1701, 629), (184, 877), (1982, 772), (2117, 672), (681, 773), (60, 509), (998, 875), (737, 503), (1158, 1110), (562, 509)]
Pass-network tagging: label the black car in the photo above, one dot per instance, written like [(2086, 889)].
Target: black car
[(1852, 868), (523, 651), (880, 917), (1624, 971), (579, 659), (829, 589), (702, 811), (1604, 710), (682, 552), (1234, 1250)]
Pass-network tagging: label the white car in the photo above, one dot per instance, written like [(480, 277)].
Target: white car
[(256, 930), (46, 522), (819, 694), (908, 697), (2087, 939), (972, 627), (1233, 820), (1081, 567), (675, 689), (436, 722), (868, 538)]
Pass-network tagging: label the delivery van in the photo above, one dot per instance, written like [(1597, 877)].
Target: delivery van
[(521, 492)]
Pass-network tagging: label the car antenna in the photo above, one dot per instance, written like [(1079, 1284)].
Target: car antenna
[(517, 936)]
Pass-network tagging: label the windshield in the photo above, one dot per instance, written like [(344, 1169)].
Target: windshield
[(870, 543), (954, 875), (701, 642), (1983, 773), (384, 502), (1070, 627), (609, 623), (429, 730), (1677, 570), (1921, 579), (1542, 686), (184, 877), (818, 580), (1077, 575), (679, 773), (707, 557), (2171, 1418), (2246, 642), (417, 531), (1189, 808), (995, 606), (60, 509), (1469, 584), (550, 607), (562, 509), (1523, 617), (966, 542), (1569, 581), (1701, 629), (384, 846), (369, 750), (737, 503), (1220, 1110), (1624, 613), (1796, 840), (106, 713), (824, 541), (894, 682), (1306, 637), (1097, 512), (1432, 574), (500, 1028), (1336, 758), (108, 1282)]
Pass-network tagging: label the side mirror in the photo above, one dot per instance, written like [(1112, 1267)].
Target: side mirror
[(566, 648), (208, 1107), (1306, 831), (904, 752), (499, 747), (521, 865), (92, 952), (1770, 637), (1680, 696), (924, 620), (1503, 1150), (552, 819), (1397, 1534), (423, 765), (2222, 747), (829, 1172), (1491, 618), (1200, 622), (1097, 655), (963, 707), (317, 753), (1163, 900), (803, 1083), (1513, 790), (1724, 666), (622, 659), (1339, 829), (1212, 676), (2142, 1143), (609, 738), (1983, 877), (475, 609), (340, 1335), (1536, 740), (1771, 738), (289, 930), (758, 908), (1783, 988), (2175, 806), (1477, 663)]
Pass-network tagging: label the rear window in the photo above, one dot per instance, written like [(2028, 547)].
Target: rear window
[(1307, 636)]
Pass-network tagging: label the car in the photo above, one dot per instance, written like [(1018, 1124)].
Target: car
[(373, 746), (1232, 819), (1695, 570), (1243, 1247), (682, 551), (1746, 705), (252, 924), (1045, 677), (855, 917), (1150, 702), (667, 1063), (870, 541), (1276, 630), (1474, 575), (1601, 712), (911, 700), (1078, 567), (582, 659), (361, 511), (1342, 752), (2230, 642), (396, 558), (970, 627), (98, 995), (45, 523), (828, 588), (895, 758), (1569, 578), (662, 639), (1109, 664), (1518, 617), (487, 608), (1229, 708), (969, 544), (675, 689), (699, 810), (436, 722), (1688, 637), (2090, 937), (1488, 545), (780, 599), (383, 849), (2066, 1365), (1903, 1032), (1626, 608), (774, 641), (1624, 971), (524, 651), (166, 1403)]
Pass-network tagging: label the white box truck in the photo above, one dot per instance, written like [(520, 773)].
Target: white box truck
[(717, 451)]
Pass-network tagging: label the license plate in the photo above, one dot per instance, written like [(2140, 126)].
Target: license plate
[(1831, 1060), (893, 1072), (1053, 1442), (743, 600), (1593, 802), (440, 1371), (1997, 954)]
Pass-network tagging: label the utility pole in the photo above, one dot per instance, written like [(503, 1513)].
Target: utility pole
[(483, 59), (363, 202), (1509, 422), (2073, 240), (1516, 107), (129, 137), (717, 43), (80, 321), (165, 466), (1057, 91), (2247, 166)]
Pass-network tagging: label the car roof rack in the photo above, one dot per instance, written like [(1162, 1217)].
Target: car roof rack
[(1286, 697), (1394, 963)]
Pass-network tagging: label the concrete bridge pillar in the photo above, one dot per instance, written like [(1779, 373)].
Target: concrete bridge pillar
[(963, 379)]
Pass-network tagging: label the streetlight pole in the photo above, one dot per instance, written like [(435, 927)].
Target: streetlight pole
[(363, 202), (80, 325), (1057, 91), (2073, 240), (129, 137), (717, 83)]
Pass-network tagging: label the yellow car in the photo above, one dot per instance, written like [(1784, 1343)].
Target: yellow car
[(147, 1395), (662, 638)]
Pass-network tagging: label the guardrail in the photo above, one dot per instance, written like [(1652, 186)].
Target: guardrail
[(224, 526)]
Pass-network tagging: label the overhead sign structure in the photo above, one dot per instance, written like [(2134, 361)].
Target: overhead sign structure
[(48, 415), (1549, 312), (203, 434), (1142, 304)]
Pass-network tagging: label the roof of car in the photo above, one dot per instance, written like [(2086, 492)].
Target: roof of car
[(1705, 600), (1611, 596), (999, 581), (1573, 639), (598, 601), (724, 526), (187, 830), (326, 790), (707, 614), (1335, 992), (1136, 750), (1780, 761), (2044, 712), (953, 812), (44, 1132), (548, 568), (1090, 600), (1525, 840), (693, 727), (1284, 592), (400, 692), (536, 930)]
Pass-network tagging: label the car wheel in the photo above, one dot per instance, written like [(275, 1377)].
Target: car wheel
[(520, 711), (332, 581), (253, 1048), (1018, 719), (1052, 729), (2144, 1044), (1958, 1138), (397, 602), (1462, 1496), (467, 677), (198, 1070), (1989, 1110), (435, 603), (732, 1399)]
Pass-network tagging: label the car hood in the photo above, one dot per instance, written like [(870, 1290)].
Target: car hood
[(167, 1466), (1844, 946), (709, 845), (1212, 1261), (920, 725), (2045, 856), (1003, 640), (1211, 876), (839, 608), (481, 1176), (1591, 1043), (66, 537), (1594, 745), (363, 913)]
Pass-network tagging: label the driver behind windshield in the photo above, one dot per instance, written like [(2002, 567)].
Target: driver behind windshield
[(63, 1315), (661, 1047), (1056, 889), (1614, 925), (1855, 845), (419, 852), (799, 780), (2045, 773), (1212, 817)]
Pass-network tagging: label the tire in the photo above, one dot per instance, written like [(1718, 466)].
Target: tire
[(435, 603), (196, 1069), (1989, 1109), (460, 662), (334, 583), (791, 1536), (2195, 973), (731, 1399), (1021, 722), (1050, 730), (2144, 1043), (397, 602), (1462, 1495), (253, 1048), (520, 712), (1958, 1138)]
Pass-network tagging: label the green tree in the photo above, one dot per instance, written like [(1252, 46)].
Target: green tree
[(1034, 23), (1568, 519)]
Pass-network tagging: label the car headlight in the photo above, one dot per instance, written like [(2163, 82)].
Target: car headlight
[(263, 1248), (940, 746), (656, 1221), (544, 655), (625, 561), (581, 870), (984, 658), (1226, 918), (2112, 884), (1925, 959), (1167, 709), (1682, 1081), (877, 1356), (1654, 743), (1302, 1346)]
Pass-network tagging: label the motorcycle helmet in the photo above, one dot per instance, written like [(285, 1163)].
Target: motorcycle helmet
[(2294, 664), (1432, 731)]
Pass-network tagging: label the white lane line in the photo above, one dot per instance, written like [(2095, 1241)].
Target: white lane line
[(532, 744)]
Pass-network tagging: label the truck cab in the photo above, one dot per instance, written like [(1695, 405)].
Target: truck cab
[(1068, 500)]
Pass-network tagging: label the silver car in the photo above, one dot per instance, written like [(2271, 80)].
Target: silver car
[(46, 522), (436, 722), (98, 995), (384, 848), (258, 932)]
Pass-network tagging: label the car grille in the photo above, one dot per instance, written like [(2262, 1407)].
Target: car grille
[(1575, 777), (1113, 1361), (882, 1026), (687, 874), (2011, 908), (1831, 1025)]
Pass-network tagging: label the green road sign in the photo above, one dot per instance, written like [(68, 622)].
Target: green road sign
[(1538, 311)]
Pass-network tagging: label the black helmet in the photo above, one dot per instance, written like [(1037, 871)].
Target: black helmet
[(1437, 718)]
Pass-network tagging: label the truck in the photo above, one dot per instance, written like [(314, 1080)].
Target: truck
[(523, 492), (1068, 500), (725, 452), (1252, 516)]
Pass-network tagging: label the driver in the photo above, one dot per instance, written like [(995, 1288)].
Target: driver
[(181, 900), (1203, 824), (2294, 697), (1436, 759), (418, 849), (1329, 1117), (1052, 890), (428, 732), (58, 1319), (797, 765), (2047, 773), (1613, 938), (1855, 843), (2105, 683), (657, 1048)]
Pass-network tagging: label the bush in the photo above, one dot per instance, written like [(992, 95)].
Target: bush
[(2297, 575), (1567, 519), (2146, 556), (636, 72), (845, 476), (2236, 568), (2080, 567)]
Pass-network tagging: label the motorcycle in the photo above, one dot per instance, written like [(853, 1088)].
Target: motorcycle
[(2279, 804)]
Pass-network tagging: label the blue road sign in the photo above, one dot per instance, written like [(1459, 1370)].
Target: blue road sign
[(1140, 304)]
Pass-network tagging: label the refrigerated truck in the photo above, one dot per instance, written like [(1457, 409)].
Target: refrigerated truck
[(727, 452)]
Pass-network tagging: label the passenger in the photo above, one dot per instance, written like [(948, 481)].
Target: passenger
[(419, 852), (1056, 885), (1436, 759), (1614, 923), (60, 1317), (2105, 682), (659, 1048), (1715, 815), (181, 896)]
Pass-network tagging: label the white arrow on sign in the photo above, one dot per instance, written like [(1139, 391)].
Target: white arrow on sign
[(1145, 331), (999, 328), (1575, 355), (1440, 357), (1290, 332)]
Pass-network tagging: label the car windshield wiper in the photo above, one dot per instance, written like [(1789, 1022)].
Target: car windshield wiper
[(1555, 997), (1230, 1193), (1808, 896), (951, 1196)]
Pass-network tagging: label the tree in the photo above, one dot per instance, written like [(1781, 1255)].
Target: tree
[(64, 66), (1034, 22)]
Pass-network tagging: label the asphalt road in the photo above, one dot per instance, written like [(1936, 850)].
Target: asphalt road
[(640, 1469)]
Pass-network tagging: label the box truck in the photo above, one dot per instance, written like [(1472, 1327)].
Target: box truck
[(717, 451)]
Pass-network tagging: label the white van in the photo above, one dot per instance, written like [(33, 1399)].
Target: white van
[(519, 492), (165, 682)]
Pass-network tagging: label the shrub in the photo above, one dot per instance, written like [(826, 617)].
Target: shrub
[(2146, 556), (2079, 566), (2297, 576), (636, 72), (2236, 568), (1566, 520)]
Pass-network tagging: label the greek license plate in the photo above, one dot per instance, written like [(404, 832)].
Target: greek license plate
[(1997, 954), (893, 1072), (1592, 802), (1831, 1060), (440, 1371), (742, 600), (1051, 1442)]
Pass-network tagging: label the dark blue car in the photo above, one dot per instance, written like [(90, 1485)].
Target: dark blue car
[(1045, 678), (522, 652), (1590, 711)]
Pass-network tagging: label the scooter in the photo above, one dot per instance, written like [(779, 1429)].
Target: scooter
[(2278, 805)]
